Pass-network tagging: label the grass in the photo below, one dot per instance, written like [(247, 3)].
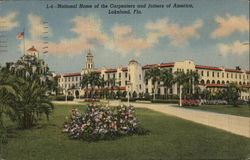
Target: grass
[(242, 110), (170, 138)]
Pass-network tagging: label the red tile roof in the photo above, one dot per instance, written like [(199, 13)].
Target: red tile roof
[(71, 74), (124, 69), (247, 72), (111, 70), (233, 70), (208, 67), (150, 66), (214, 85), (167, 65), (32, 49)]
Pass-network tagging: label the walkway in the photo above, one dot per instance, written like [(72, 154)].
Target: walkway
[(234, 124)]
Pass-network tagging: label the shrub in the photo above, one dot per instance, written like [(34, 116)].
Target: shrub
[(63, 97), (186, 102), (100, 123), (165, 101), (130, 99)]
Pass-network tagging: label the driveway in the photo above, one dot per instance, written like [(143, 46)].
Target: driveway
[(234, 124)]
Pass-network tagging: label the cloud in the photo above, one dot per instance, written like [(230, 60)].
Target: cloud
[(237, 47), (230, 24), (88, 36), (178, 35), (124, 41), (7, 23), (37, 28)]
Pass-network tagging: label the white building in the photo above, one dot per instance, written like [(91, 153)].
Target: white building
[(131, 78)]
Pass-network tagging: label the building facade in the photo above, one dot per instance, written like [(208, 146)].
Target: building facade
[(131, 78)]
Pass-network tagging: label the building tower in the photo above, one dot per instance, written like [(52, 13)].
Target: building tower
[(89, 65), (32, 52), (89, 62)]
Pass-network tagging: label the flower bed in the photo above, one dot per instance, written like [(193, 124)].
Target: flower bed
[(100, 123), (186, 102), (92, 100)]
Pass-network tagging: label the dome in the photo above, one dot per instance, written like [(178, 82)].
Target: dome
[(89, 55), (131, 61)]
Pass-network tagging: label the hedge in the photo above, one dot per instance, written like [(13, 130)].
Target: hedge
[(62, 98), (175, 101)]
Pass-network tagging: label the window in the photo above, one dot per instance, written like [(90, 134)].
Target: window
[(227, 75), (139, 86), (222, 75), (212, 74), (108, 76), (126, 74), (120, 75), (146, 90), (139, 76), (202, 73), (146, 82), (218, 74), (207, 73), (113, 75)]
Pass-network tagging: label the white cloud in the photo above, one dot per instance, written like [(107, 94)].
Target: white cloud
[(178, 35), (37, 28), (237, 47), (230, 24), (88, 30), (7, 23), (124, 41)]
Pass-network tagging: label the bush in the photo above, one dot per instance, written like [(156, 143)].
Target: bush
[(165, 101), (130, 99), (100, 123), (186, 102), (62, 98)]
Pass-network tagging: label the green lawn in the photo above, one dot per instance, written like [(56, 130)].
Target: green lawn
[(242, 110), (170, 138)]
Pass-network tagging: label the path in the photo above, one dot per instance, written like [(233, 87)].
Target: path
[(234, 124)]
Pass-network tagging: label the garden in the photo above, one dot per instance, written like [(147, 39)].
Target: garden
[(169, 138)]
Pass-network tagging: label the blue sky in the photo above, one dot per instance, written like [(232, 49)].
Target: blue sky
[(213, 32)]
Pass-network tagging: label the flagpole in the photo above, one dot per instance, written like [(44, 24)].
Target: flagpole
[(23, 41)]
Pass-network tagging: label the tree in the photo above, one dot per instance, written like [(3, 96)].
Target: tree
[(91, 79), (167, 78), (232, 93), (154, 75), (30, 103)]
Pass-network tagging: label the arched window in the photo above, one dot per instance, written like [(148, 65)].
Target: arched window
[(223, 82), (208, 82), (227, 82), (202, 81), (213, 82), (218, 82)]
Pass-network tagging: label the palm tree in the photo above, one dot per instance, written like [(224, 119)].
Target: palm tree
[(193, 80), (154, 75), (30, 103), (167, 78)]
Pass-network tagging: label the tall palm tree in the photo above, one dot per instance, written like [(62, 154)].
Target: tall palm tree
[(193, 79), (154, 75), (167, 78)]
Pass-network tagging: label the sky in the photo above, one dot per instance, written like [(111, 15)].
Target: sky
[(213, 33)]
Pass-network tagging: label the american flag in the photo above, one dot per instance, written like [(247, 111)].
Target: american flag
[(20, 35)]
